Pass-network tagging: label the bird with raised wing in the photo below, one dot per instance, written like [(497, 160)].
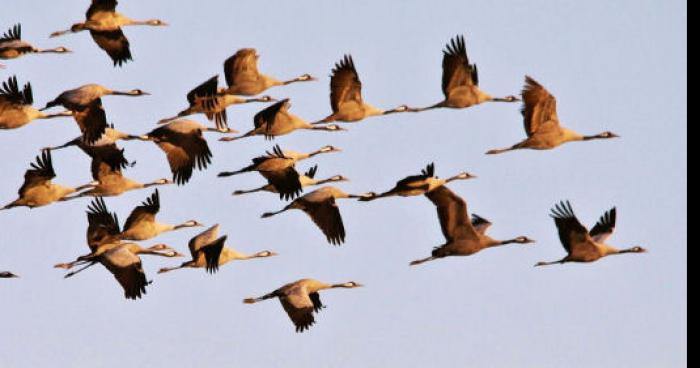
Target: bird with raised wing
[(105, 26), (38, 189), (417, 185), (211, 100), (12, 46), (16, 108), (185, 147), (142, 224), (321, 206), (278, 167), (209, 251), (585, 246), (244, 79), (541, 122), (346, 96), (460, 80), (276, 121), (306, 180), (465, 236), (301, 300)]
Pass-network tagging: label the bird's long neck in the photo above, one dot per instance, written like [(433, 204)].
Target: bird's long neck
[(321, 182), (183, 225), (506, 242), (592, 137), (57, 115), (57, 50), (154, 184), (120, 93), (291, 81)]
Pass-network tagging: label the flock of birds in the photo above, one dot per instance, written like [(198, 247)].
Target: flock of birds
[(187, 150)]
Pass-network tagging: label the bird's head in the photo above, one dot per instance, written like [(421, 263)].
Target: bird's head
[(306, 78), (338, 178), (637, 250), (349, 285), (138, 92), (334, 128), (329, 149), (524, 240), (156, 23), (265, 254)]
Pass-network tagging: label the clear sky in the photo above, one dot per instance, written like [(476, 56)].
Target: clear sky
[(619, 66)]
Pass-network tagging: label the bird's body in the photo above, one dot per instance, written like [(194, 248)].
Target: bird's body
[(38, 189), (419, 184), (301, 299), (277, 121), (460, 80), (323, 210), (7, 275), (16, 108), (142, 224), (465, 236), (542, 124), (278, 167), (185, 147), (12, 46), (585, 246), (346, 96), (105, 26), (244, 79), (209, 251), (306, 180), (212, 101)]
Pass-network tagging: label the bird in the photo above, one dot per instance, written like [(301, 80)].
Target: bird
[(306, 180), (585, 246), (321, 206), (185, 147), (142, 225), (209, 251), (120, 258), (244, 79), (278, 167), (542, 125), (465, 236), (12, 46), (106, 167), (419, 184), (460, 80), (38, 189), (276, 121), (16, 108), (301, 299), (212, 101), (346, 96), (105, 26), (86, 104), (7, 275)]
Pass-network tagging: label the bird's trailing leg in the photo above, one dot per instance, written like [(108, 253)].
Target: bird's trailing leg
[(544, 264), (424, 260), (71, 274), (260, 299)]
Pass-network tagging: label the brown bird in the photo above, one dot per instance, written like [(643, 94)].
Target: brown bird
[(276, 121), (306, 180), (321, 206), (106, 167), (419, 184), (542, 124), (38, 190), (212, 101), (185, 146), (102, 147), (209, 251), (464, 236), (121, 259), (278, 167), (105, 26), (460, 80), (581, 245), (12, 46), (301, 299), (346, 96), (16, 108), (86, 103), (142, 225), (7, 275), (244, 79)]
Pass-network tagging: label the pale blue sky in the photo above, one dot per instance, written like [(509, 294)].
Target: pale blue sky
[(617, 66)]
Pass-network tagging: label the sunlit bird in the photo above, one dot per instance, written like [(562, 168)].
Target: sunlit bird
[(12, 46), (542, 125), (419, 184), (585, 246), (306, 180), (243, 77), (105, 26), (209, 251), (460, 80), (301, 299), (16, 108), (465, 236)]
